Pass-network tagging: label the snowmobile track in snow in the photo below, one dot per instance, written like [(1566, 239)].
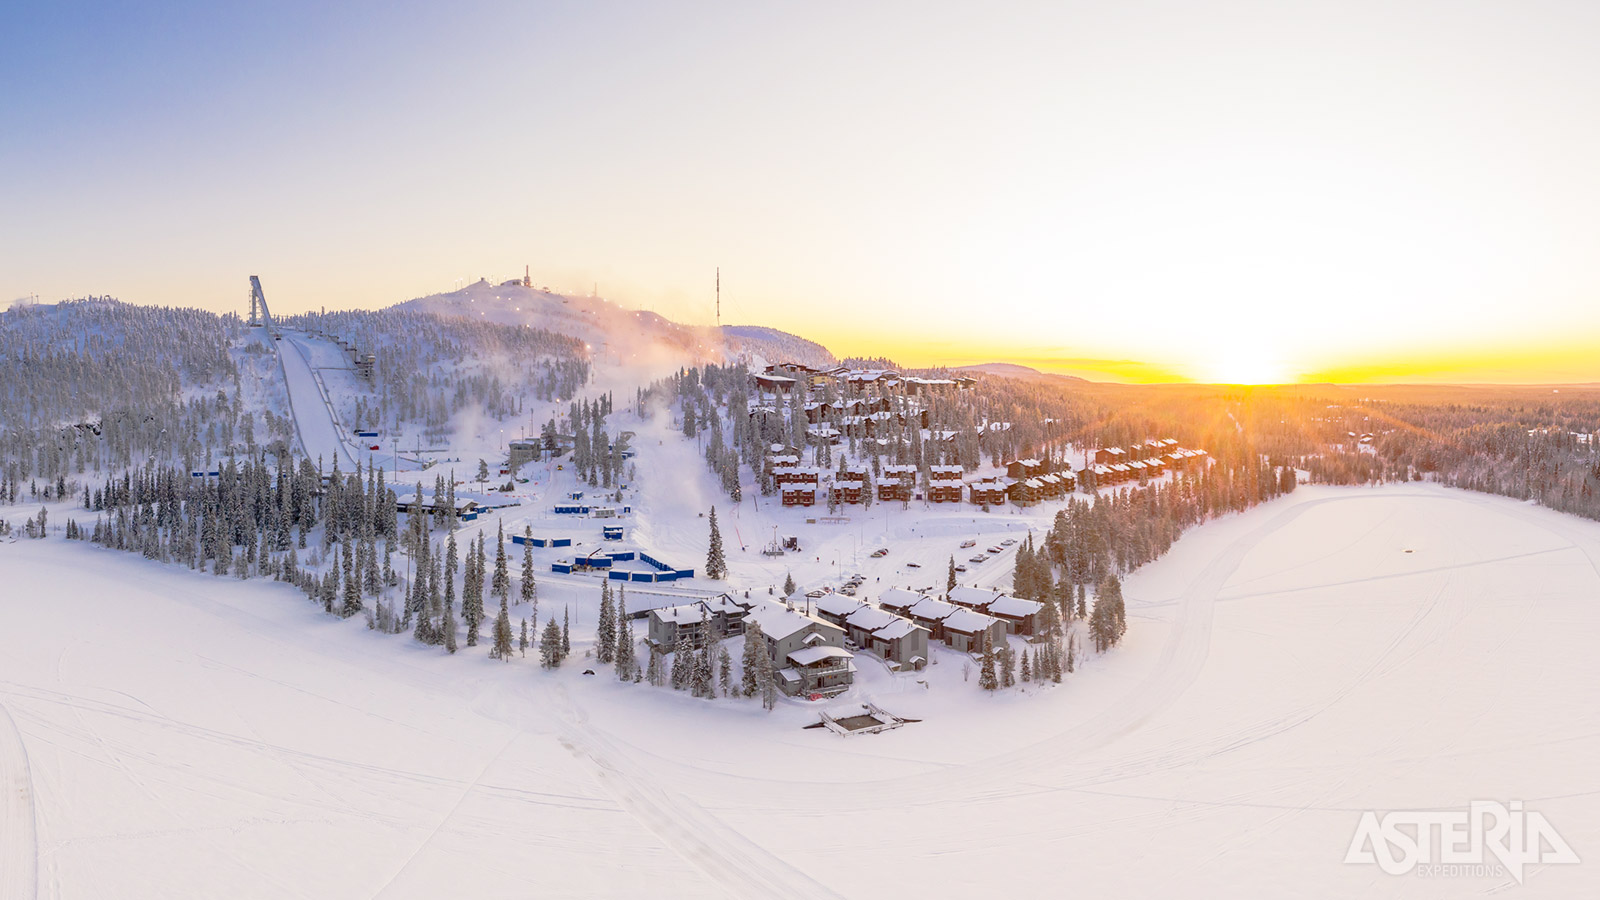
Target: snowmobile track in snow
[(19, 840)]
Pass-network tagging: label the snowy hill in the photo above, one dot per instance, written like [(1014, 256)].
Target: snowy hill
[(645, 343), (1013, 370)]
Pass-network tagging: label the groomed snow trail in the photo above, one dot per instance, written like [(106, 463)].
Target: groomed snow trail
[(19, 845)]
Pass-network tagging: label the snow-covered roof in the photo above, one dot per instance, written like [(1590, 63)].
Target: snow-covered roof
[(969, 621), (810, 656), (898, 628), (838, 604), (777, 622), (929, 608), (871, 618), (971, 596), (687, 614), (901, 597), (1017, 607)]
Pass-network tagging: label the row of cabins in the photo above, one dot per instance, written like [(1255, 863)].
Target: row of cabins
[(1176, 460), (900, 642), (812, 653)]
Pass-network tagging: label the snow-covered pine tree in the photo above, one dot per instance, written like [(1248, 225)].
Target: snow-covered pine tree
[(725, 671), (766, 681), (502, 576), (1027, 671), (716, 564), (566, 631), (530, 590), (788, 584), (950, 582), (522, 641), (605, 645), (550, 645), (682, 662), (627, 662), (502, 634), (755, 646), (986, 674), (352, 587)]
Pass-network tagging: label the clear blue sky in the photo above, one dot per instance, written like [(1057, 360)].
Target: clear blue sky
[(1139, 190)]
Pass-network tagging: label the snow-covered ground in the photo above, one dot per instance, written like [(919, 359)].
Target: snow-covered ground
[(1286, 669)]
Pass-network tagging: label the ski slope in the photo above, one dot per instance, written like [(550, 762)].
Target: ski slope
[(1336, 651), (320, 433)]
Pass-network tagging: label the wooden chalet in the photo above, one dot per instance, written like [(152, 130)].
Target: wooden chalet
[(989, 492), (791, 474), (896, 482), (798, 494), (1024, 468), (1024, 493), (773, 384), (944, 484), (1110, 455), (849, 490)]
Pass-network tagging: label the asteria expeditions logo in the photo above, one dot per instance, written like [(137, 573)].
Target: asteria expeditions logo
[(1486, 838)]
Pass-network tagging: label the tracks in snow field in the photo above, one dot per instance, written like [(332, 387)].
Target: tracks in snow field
[(723, 854), (19, 840)]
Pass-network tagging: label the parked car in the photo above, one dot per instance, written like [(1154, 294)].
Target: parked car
[(848, 590), (966, 544), (977, 559), (913, 565), (996, 550), (880, 552), (1008, 542), (961, 568)]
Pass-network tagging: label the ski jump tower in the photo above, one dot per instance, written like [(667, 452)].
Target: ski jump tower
[(258, 305)]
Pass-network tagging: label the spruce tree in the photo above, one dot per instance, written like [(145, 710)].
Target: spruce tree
[(725, 671), (653, 672), (352, 587), (530, 591), (606, 632), (1027, 672), (788, 584), (550, 645), (755, 647), (681, 661), (716, 565), (566, 631), (950, 583), (502, 634), (522, 641), (986, 674), (502, 578)]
